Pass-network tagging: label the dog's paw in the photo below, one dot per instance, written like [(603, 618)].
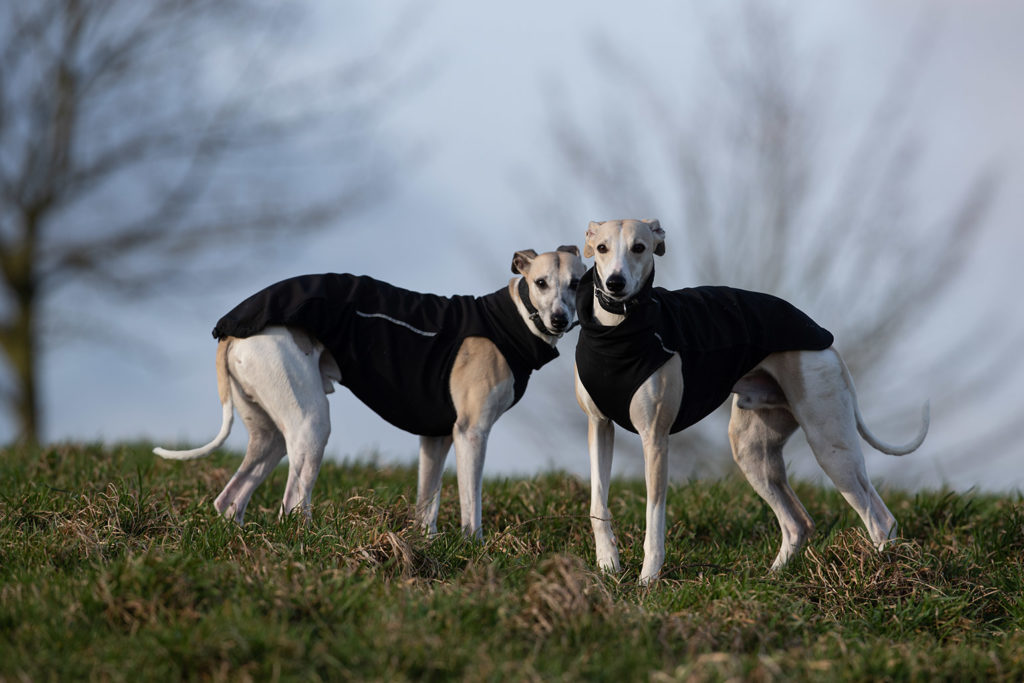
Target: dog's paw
[(651, 570), (609, 564), (647, 579)]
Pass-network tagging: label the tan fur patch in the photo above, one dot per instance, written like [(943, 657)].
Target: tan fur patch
[(479, 368), (223, 380)]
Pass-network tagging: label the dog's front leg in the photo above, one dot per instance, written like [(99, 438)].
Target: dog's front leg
[(601, 441), (470, 450), (433, 450), (601, 445), (652, 410), (656, 475), (482, 389)]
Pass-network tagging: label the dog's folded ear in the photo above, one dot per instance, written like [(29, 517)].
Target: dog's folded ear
[(588, 248), (571, 248), (659, 236), (522, 260)]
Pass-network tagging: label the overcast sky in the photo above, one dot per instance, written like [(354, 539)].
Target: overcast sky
[(480, 120)]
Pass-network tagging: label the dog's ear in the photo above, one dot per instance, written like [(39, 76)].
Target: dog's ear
[(522, 260), (588, 248), (570, 248), (659, 236)]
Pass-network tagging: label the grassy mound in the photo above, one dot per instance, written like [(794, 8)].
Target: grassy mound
[(113, 566)]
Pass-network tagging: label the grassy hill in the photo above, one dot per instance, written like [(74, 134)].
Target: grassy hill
[(113, 566)]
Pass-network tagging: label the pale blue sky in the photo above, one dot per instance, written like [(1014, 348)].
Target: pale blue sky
[(483, 117)]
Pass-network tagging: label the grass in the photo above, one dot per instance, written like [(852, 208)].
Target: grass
[(113, 566)]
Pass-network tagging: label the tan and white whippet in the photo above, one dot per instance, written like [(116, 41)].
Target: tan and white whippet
[(810, 389), (278, 379)]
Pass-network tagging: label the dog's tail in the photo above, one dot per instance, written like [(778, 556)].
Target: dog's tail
[(884, 447), (875, 442), (227, 412)]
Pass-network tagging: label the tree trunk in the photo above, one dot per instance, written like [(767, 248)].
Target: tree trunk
[(20, 348), (18, 337)]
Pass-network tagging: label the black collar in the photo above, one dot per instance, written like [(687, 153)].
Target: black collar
[(524, 296), (622, 306)]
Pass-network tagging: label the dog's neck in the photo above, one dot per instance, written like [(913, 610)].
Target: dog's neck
[(520, 293), (610, 311), (602, 314)]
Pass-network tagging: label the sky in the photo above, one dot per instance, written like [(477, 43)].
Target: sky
[(477, 121)]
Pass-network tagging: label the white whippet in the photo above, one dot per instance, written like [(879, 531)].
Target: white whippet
[(810, 389), (278, 379)]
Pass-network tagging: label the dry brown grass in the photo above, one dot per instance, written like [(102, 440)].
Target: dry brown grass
[(561, 590)]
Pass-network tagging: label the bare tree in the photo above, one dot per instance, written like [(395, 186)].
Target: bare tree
[(768, 194), (123, 157)]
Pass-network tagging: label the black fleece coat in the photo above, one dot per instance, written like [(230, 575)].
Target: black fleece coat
[(395, 347), (720, 334)]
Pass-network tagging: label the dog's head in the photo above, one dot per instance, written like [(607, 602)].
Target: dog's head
[(551, 279), (623, 253)]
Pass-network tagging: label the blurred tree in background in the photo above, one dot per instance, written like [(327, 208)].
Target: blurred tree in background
[(769, 193), (137, 137)]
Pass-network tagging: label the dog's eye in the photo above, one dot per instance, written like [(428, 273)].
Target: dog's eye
[(638, 248), (602, 249), (541, 283), (574, 284)]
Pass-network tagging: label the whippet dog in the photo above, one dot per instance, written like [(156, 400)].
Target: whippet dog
[(655, 361), (442, 367)]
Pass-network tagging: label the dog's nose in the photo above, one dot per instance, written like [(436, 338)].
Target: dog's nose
[(559, 321), (615, 283)]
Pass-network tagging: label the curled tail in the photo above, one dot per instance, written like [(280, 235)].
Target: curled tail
[(877, 443), (227, 412)]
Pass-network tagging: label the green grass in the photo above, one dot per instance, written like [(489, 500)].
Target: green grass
[(113, 566)]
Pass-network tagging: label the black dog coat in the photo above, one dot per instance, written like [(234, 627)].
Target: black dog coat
[(395, 348), (720, 334)]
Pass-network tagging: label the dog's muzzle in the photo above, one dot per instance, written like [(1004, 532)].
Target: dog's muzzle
[(615, 283)]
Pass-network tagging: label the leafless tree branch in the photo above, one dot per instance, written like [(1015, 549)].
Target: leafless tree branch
[(774, 198), (113, 161)]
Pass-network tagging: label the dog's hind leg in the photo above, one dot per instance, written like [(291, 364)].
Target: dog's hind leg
[(285, 380), (433, 450), (757, 436), (263, 453), (823, 404), (305, 440)]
